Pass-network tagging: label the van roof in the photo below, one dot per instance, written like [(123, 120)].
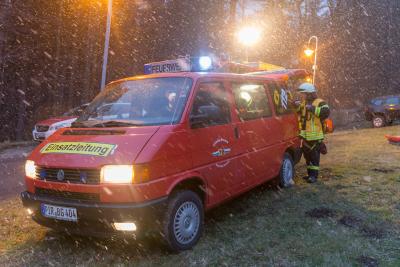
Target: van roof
[(196, 75), (281, 74)]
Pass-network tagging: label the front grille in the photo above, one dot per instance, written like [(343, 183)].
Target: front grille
[(80, 176), (67, 195), (42, 128)]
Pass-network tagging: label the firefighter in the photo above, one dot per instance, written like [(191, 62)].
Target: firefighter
[(312, 112)]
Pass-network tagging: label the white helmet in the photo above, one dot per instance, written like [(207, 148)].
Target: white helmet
[(307, 88)]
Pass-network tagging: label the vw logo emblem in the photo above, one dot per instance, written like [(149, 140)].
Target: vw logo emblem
[(83, 177), (60, 175)]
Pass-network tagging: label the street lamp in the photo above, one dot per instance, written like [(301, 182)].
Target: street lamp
[(106, 45), (248, 36), (309, 52)]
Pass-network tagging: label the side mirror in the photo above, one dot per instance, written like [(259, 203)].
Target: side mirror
[(206, 116)]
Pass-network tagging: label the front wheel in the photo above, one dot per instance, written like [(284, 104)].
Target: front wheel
[(287, 171), (378, 121), (183, 222)]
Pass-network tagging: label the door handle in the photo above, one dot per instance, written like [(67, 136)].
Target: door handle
[(236, 130)]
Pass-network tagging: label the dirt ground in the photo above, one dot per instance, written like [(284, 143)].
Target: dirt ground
[(12, 161), (351, 217)]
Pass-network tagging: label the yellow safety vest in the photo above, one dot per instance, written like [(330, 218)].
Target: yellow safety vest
[(310, 125)]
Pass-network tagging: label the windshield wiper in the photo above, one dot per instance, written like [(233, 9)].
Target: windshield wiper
[(82, 124), (115, 124), (99, 123)]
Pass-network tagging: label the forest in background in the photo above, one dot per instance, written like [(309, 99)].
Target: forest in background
[(51, 51)]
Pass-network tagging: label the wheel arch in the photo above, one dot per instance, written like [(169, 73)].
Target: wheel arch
[(195, 183), (295, 153)]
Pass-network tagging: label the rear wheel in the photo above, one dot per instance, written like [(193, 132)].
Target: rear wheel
[(378, 121), (287, 171), (183, 222)]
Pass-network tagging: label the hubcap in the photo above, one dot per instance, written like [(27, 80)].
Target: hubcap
[(378, 122), (287, 171), (186, 222)]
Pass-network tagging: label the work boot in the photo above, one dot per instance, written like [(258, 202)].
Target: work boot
[(312, 179)]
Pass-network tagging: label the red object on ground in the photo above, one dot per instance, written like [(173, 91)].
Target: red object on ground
[(393, 139)]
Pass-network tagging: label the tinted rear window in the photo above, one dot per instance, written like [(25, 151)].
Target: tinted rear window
[(392, 101), (376, 102)]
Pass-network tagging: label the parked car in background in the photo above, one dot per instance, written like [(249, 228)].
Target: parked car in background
[(44, 129), (383, 110)]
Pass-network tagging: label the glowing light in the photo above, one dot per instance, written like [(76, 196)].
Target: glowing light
[(205, 63), (249, 35), (249, 87), (127, 226), (117, 174), (30, 169), (246, 96), (308, 52)]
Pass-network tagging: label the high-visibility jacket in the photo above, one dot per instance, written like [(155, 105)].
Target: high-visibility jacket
[(311, 123)]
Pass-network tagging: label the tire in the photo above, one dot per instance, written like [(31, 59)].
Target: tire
[(286, 173), (378, 121), (183, 221)]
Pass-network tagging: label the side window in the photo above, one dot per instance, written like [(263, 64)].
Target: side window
[(392, 101), (282, 99), (210, 106), (251, 101)]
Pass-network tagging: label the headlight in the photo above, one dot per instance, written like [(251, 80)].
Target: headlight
[(30, 169), (117, 174)]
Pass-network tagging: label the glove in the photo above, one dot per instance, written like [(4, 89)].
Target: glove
[(310, 108)]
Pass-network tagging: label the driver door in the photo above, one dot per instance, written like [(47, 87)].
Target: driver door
[(213, 140)]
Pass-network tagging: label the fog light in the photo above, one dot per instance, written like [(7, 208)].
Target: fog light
[(125, 226), (30, 212)]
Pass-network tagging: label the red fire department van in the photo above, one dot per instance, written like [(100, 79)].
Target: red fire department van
[(157, 151)]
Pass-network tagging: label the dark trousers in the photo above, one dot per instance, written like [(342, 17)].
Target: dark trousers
[(311, 152)]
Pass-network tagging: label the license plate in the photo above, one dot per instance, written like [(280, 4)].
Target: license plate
[(40, 135), (60, 213)]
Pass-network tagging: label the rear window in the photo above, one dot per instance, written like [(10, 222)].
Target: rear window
[(392, 101)]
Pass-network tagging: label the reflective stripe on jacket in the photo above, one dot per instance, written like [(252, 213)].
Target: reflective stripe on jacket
[(310, 125)]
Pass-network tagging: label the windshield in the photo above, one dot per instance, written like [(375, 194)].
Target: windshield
[(157, 101), (75, 112)]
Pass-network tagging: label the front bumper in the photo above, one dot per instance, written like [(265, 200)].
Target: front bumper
[(96, 218)]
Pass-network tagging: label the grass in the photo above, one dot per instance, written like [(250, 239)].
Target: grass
[(351, 217)]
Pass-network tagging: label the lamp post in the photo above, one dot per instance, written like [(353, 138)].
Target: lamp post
[(106, 45), (309, 52), (248, 36)]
